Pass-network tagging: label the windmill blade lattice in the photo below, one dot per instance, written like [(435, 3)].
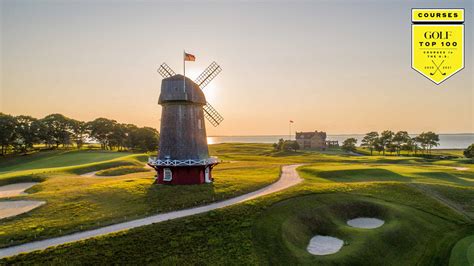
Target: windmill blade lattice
[(208, 75), (212, 115), (166, 71)]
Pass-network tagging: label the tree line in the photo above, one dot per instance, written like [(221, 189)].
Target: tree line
[(389, 141), (19, 134)]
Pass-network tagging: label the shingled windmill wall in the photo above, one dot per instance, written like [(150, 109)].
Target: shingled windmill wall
[(183, 131)]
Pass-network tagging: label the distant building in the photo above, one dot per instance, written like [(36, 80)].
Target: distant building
[(314, 140)]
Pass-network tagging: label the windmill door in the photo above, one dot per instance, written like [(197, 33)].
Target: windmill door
[(207, 179)]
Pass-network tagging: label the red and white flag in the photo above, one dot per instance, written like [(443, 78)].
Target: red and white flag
[(189, 57)]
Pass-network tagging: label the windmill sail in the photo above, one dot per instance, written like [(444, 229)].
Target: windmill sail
[(203, 80), (212, 115), (166, 71), (208, 75)]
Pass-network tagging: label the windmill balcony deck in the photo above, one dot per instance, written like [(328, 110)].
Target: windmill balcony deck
[(153, 161)]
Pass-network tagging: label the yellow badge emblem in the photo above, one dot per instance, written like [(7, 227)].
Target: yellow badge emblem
[(437, 42)]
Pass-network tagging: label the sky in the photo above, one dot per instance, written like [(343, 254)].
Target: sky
[(337, 66)]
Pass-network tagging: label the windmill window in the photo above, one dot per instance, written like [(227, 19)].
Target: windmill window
[(167, 174), (199, 124)]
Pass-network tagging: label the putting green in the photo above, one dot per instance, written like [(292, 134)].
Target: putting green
[(463, 252)]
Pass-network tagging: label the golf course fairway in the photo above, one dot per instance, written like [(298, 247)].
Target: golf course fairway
[(426, 205)]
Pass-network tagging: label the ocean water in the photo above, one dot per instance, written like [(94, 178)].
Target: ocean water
[(446, 141)]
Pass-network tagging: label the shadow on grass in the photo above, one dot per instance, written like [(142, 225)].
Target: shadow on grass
[(446, 177), (23, 178), (288, 153), (363, 175), (165, 198), (398, 160)]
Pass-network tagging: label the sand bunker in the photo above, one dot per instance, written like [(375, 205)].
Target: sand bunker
[(461, 168), (13, 208), (365, 223), (14, 190), (324, 245), (90, 174)]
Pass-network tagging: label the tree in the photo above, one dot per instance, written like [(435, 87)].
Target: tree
[(27, 129), (7, 132), (469, 152), (279, 145), (400, 140), (101, 129), (118, 137), (370, 140), (144, 139), (290, 145), (79, 131), (56, 129), (418, 144), (386, 138), (411, 145), (349, 144), (378, 146), (131, 140), (295, 145), (428, 140)]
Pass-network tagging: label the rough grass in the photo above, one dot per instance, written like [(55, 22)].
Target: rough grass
[(416, 196), (299, 219), (76, 203), (122, 170), (259, 232)]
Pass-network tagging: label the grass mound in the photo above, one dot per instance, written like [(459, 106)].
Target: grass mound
[(284, 231), (99, 162), (122, 170), (57, 158)]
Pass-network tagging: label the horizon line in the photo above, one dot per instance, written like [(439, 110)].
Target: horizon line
[(332, 134)]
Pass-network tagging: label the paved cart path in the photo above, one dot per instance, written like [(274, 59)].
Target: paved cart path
[(288, 178), (14, 190)]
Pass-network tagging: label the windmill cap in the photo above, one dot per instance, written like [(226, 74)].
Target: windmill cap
[(173, 89)]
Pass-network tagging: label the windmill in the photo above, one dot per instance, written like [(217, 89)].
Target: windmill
[(183, 153)]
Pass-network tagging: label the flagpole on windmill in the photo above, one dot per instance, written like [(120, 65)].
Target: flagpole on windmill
[(184, 70)]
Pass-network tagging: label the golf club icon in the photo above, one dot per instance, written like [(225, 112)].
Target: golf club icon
[(437, 68)]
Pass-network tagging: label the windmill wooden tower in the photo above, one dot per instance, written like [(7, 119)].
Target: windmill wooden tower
[(183, 156)]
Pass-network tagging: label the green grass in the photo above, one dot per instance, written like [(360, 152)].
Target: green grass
[(410, 230), (98, 160), (427, 204), (260, 232), (52, 159), (366, 171), (122, 170), (463, 252), (76, 203)]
